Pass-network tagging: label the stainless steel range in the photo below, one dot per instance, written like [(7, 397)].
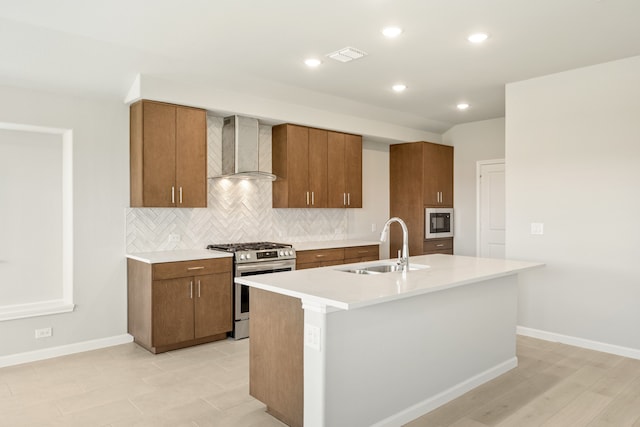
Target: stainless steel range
[(250, 259)]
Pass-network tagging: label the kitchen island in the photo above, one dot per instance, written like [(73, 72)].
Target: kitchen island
[(334, 348)]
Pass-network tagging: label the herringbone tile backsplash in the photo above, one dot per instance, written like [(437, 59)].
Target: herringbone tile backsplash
[(238, 211)]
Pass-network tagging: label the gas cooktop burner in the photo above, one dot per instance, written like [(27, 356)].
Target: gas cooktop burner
[(252, 246)]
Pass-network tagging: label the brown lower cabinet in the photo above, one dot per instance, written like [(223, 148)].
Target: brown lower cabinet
[(336, 256), (438, 246), (179, 304), (276, 362)]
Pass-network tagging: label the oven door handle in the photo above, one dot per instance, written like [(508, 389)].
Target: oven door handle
[(268, 265)]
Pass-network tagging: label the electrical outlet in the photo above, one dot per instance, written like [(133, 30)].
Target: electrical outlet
[(373, 227), (537, 228), (43, 333), (174, 238), (312, 336)]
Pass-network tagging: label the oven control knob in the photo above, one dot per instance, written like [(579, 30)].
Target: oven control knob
[(288, 253), (242, 256), (280, 253), (248, 256)]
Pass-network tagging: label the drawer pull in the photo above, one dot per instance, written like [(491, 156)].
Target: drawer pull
[(319, 255), (363, 252), (195, 268), (439, 245)]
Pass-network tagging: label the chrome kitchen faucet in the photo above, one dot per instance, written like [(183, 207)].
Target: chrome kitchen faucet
[(403, 260)]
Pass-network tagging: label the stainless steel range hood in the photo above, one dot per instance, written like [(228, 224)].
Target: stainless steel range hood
[(240, 149)]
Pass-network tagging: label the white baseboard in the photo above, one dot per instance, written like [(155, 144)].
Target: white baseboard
[(63, 350), (632, 353), (427, 405)]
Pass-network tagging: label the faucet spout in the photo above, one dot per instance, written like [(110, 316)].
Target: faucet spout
[(403, 260)]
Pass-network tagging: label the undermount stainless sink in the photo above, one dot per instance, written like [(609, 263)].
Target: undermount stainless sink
[(381, 268)]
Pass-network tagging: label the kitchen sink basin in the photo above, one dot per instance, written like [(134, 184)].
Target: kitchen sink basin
[(382, 268)]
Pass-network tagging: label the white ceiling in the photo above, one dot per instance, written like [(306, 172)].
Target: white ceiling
[(258, 46)]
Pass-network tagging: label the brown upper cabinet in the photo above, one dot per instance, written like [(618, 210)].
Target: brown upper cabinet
[(300, 163), (345, 171), (438, 175), (168, 155), (316, 168), (420, 175)]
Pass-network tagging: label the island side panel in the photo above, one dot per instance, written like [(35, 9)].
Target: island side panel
[(393, 362), (276, 354)]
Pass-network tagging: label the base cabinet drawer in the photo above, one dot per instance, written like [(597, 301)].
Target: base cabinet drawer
[(438, 246), (319, 264), (320, 255), (336, 256)]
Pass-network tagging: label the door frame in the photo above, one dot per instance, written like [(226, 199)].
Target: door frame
[(479, 165)]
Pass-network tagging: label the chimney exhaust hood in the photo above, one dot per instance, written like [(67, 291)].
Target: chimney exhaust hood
[(240, 149)]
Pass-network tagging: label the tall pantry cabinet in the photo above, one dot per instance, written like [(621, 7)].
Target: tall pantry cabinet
[(420, 176)]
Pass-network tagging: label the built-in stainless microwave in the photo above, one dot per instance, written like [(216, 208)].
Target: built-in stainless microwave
[(438, 222)]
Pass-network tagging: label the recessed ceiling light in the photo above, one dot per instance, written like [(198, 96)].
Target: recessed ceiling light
[(462, 106), (399, 87), (312, 62), (478, 37), (392, 32)]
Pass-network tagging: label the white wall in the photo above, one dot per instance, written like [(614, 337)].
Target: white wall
[(101, 174), (483, 140), (219, 101), (573, 156), (366, 223)]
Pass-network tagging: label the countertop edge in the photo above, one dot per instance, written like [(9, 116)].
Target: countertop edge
[(515, 268), (178, 255)]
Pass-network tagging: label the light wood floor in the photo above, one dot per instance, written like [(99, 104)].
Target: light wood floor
[(554, 385), (207, 385), (125, 385)]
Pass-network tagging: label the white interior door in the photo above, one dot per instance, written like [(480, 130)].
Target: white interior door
[(491, 209)]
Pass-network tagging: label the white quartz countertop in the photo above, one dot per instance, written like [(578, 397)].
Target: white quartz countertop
[(330, 287), (177, 255), (330, 244)]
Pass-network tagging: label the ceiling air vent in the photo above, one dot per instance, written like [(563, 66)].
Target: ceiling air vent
[(347, 54)]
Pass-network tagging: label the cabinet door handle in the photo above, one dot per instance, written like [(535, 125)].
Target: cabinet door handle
[(180, 195), (173, 194), (313, 198), (348, 199), (191, 289), (196, 268), (198, 288), (307, 198)]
